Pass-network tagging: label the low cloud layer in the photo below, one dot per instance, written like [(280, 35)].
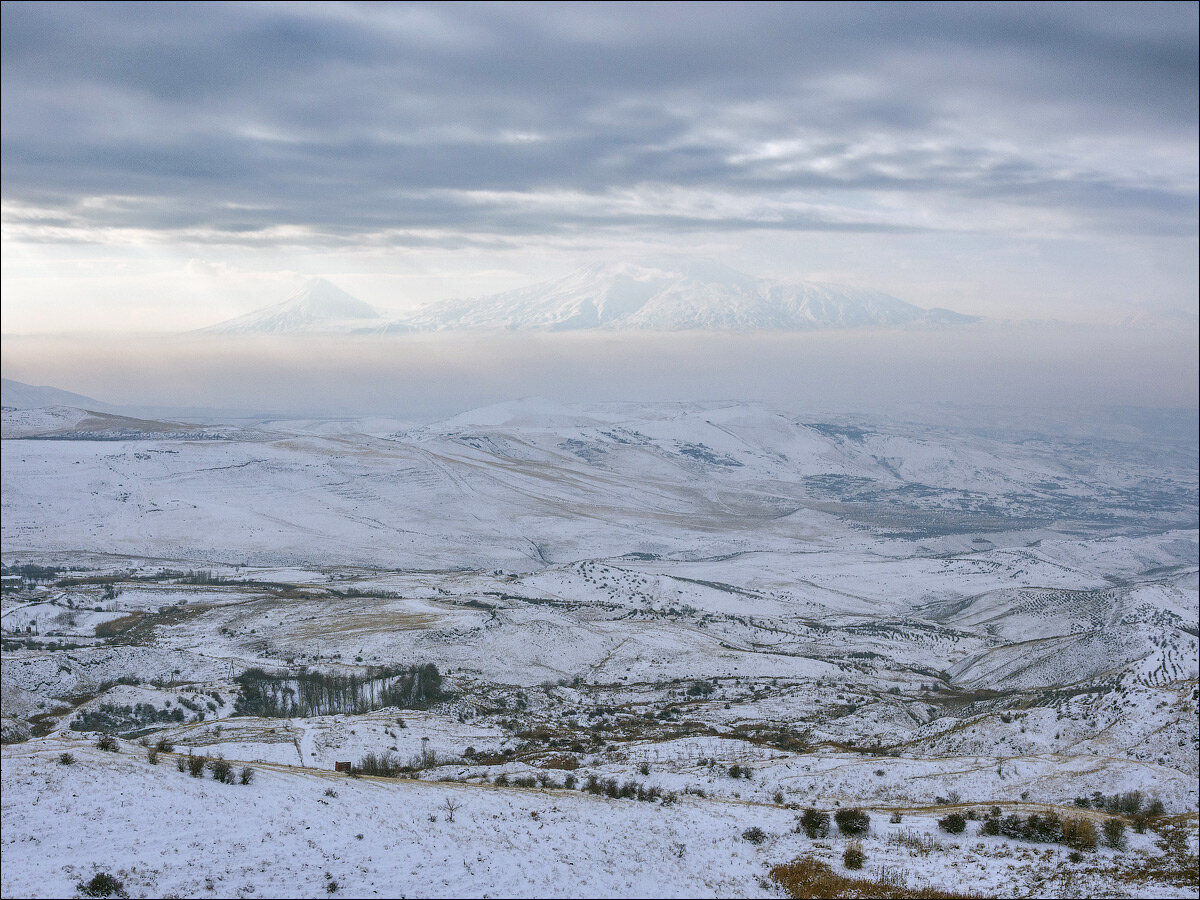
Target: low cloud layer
[(439, 375)]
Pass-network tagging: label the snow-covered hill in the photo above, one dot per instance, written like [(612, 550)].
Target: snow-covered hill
[(18, 395)]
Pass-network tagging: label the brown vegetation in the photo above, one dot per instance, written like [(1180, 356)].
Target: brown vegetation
[(809, 877)]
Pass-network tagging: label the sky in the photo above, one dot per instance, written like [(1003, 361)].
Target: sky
[(169, 166)]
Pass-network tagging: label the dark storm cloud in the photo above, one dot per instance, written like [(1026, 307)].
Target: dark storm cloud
[(344, 120)]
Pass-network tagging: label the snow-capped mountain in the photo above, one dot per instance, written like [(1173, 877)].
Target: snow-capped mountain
[(675, 297), (319, 306), (671, 298)]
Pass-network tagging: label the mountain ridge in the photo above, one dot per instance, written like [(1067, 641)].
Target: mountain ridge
[(609, 297)]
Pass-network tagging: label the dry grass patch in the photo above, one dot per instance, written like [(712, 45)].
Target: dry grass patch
[(809, 877), (114, 627)]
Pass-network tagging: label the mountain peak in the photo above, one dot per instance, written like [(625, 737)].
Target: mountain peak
[(323, 299), (315, 307)]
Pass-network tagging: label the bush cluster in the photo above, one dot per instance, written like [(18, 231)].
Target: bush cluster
[(1127, 804), (1077, 833), (629, 790), (124, 720)]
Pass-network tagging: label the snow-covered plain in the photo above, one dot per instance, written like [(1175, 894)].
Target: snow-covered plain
[(897, 615)]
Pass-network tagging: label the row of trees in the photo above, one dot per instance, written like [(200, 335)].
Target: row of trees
[(314, 693)]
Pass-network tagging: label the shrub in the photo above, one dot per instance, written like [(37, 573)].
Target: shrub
[(181, 763), (852, 821), (754, 835), (814, 823), (896, 818), (102, 885), (1114, 834), (66, 759), (570, 781), (247, 774), (196, 764), (152, 756), (955, 823), (164, 746), (384, 765), (854, 857), (222, 770), (1079, 834), (107, 742)]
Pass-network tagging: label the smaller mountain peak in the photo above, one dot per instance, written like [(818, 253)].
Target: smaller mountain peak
[(322, 298), (319, 305)]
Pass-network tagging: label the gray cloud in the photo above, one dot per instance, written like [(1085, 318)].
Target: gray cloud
[(227, 121)]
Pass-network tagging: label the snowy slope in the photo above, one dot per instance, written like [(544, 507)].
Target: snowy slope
[(18, 395)]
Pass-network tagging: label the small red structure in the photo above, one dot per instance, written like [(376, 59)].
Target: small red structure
[(342, 767)]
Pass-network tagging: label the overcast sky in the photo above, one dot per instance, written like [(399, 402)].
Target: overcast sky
[(167, 166)]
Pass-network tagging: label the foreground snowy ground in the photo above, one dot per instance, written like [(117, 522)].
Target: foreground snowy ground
[(294, 833)]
